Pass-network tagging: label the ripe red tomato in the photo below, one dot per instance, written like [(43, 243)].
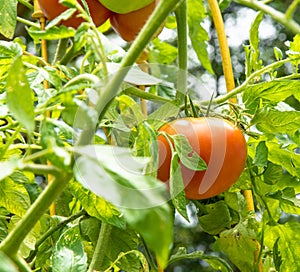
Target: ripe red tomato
[(218, 142), (128, 25), (52, 8)]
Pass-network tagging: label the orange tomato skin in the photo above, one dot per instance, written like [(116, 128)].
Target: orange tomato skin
[(52, 9), (130, 24), (218, 142)]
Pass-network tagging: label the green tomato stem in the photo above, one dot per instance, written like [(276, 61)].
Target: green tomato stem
[(275, 14), (22, 265), (26, 22), (239, 89), (111, 89), (291, 9), (145, 95), (57, 227), (12, 242), (100, 249), (40, 169), (26, 4), (181, 18)]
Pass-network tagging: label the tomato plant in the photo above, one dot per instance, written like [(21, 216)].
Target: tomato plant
[(52, 9), (128, 25), (80, 120), (219, 143)]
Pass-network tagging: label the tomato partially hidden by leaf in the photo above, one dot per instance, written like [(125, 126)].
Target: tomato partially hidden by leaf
[(52, 9), (218, 142), (130, 24)]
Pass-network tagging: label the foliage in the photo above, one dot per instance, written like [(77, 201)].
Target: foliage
[(78, 150)]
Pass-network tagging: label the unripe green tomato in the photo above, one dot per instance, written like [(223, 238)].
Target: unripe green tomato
[(52, 9), (218, 142)]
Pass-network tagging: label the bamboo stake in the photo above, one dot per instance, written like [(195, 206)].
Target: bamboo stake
[(39, 15)]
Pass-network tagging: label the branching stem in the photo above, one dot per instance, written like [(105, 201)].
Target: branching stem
[(278, 16)]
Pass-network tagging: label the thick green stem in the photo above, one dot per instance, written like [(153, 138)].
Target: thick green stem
[(257, 73), (181, 18), (113, 86), (100, 249), (275, 14), (59, 226), (41, 169), (12, 242), (291, 9), (26, 4)]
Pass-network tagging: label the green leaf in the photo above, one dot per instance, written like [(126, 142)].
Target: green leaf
[(273, 174), (277, 255), (239, 245), (162, 52), (164, 112), (8, 167), (272, 121), (127, 104), (214, 261), (288, 244), (278, 53), (261, 154), (294, 51), (198, 35), (54, 33), (295, 44), (97, 206), (177, 187), (79, 115), (3, 227), (8, 17), (6, 265), (289, 160), (20, 99), (89, 229), (123, 241), (114, 174), (147, 148), (287, 196), (69, 255), (134, 76), (272, 91), (9, 51), (14, 197), (62, 17), (50, 140), (28, 244), (208, 221), (187, 155), (254, 42)]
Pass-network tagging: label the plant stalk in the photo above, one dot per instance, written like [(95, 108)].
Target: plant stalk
[(52, 230), (257, 73), (181, 18), (112, 88), (100, 249), (11, 244), (278, 16)]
